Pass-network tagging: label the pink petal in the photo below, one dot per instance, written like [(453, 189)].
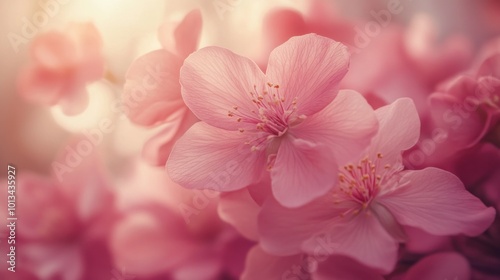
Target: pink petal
[(75, 99), (203, 266), (54, 51), (283, 230), (88, 44), (234, 255), (149, 243), (157, 149), (207, 157), (464, 127), (308, 68), (240, 210), (262, 190), (362, 238), (346, 126), (302, 172), (152, 91), (490, 67), (261, 265), (436, 201), (87, 38), (182, 37), (214, 80), (344, 268), (280, 26), (45, 210), (422, 242), (399, 130), (449, 265), (36, 84), (86, 186), (187, 34)]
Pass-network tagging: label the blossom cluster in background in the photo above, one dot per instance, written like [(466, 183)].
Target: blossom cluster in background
[(253, 140)]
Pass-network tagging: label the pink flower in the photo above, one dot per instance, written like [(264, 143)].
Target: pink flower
[(320, 18), (363, 217), (62, 64), (152, 94), (168, 231), (65, 223), (284, 121)]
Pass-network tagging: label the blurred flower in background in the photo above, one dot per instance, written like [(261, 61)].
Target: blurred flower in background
[(98, 96)]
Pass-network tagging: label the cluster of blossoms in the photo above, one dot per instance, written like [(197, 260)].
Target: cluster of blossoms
[(329, 161)]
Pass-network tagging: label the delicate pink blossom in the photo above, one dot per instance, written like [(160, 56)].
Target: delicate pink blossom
[(65, 224), (152, 93), (162, 233), (284, 121), (365, 214), (62, 64)]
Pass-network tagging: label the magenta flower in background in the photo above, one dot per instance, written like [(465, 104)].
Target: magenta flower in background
[(284, 121), (364, 216), (62, 64)]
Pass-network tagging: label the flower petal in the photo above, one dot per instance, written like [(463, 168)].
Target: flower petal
[(182, 37), (152, 91), (240, 210), (214, 80), (447, 265), (436, 201), (36, 84), (362, 238), (261, 265), (302, 172), (157, 149), (345, 268), (308, 68), (54, 51), (150, 243), (399, 130), (346, 125), (490, 67), (207, 157), (283, 230)]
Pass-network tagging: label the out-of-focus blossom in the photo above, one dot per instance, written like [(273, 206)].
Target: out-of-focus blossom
[(284, 120), (152, 93), (62, 63), (65, 223), (363, 217), (435, 59), (170, 231), (446, 265), (281, 24), (465, 111)]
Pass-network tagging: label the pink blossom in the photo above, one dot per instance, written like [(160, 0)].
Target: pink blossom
[(321, 18), (65, 223), (363, 217), (284, 121), (163, 232), (465, 111), (152, 93), (62, 63)]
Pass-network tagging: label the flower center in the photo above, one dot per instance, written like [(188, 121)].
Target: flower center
[(362, 182), (270, 115)]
